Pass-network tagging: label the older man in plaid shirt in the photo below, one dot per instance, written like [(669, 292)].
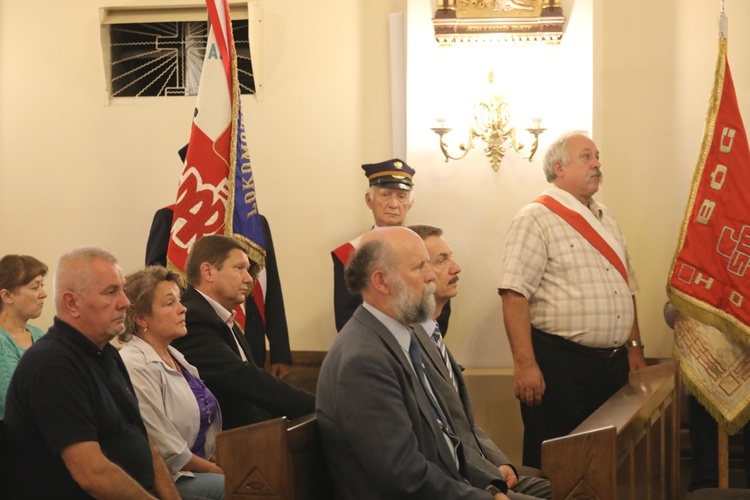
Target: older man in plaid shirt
[(567, 289)]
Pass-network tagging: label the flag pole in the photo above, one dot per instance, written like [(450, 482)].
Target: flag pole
[(723, 455), (722, 438)]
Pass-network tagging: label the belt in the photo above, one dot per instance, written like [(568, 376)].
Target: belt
[(597, 352)]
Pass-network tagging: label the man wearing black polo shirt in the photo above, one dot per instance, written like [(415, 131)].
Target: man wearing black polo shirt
[(72, 420)]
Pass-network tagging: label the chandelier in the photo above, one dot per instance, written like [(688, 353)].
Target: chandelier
[(491, 123)]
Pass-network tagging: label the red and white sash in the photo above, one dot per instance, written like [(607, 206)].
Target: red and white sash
[(581, 219), (345, 251)]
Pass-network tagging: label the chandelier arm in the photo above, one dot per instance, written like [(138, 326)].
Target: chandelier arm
[(518, 147), (535, 131), (465, 147)]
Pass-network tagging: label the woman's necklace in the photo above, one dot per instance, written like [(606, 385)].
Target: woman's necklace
[(171, 362), (176, 364)]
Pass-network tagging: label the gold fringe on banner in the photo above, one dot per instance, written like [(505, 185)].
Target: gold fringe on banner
[(715, 369), (255, 252), (683, 302)]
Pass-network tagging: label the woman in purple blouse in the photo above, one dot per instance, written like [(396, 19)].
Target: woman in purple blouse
[(181, 415)]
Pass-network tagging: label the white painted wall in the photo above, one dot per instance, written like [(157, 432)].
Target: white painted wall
[(471, 202), (76, 170)]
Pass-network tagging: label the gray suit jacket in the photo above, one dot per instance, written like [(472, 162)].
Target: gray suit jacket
[(378, 429), (478, 447)]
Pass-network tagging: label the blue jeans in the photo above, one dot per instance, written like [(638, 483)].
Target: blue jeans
[(202, 485)]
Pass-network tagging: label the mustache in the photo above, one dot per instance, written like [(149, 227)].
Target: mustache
[(453, 280), (597, 171)]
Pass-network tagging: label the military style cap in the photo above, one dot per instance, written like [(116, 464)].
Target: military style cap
[(391, 174)]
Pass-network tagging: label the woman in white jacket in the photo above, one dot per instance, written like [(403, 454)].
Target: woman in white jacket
[(181, 415)]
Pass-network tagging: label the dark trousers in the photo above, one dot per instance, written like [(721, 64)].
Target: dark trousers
[(704, 465), (577, 383)]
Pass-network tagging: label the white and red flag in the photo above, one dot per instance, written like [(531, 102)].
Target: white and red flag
[(216, 194)]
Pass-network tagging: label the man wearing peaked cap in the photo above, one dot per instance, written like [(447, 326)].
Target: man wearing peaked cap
[(392, 173), (390, 197)]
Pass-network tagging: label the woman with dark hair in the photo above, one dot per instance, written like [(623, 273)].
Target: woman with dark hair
[(181, 415), (21, 299)]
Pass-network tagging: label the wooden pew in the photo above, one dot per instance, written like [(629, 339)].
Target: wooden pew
[(305, 370), (277, 459), (628, 448)]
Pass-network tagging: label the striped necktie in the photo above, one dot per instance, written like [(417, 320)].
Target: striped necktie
[(437, 339), (450, 437)]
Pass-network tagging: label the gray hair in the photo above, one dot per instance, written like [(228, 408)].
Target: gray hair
[(558, 151), (375, 254), (74, 273), (371, 192)]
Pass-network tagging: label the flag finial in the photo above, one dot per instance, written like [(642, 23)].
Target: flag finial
[(722, 23)]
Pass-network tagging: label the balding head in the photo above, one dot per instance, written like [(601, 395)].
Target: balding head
[(390, 269)]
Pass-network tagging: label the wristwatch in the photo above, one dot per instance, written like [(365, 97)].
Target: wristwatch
[(493, 490), (634, 343)]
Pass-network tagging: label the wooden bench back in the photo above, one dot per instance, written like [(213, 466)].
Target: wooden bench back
[(628, 448), (277, 459), (306, 369)]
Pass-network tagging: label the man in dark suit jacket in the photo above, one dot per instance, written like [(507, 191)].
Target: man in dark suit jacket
[(220, 278), (265, 316), (445, 376), (378, 420)]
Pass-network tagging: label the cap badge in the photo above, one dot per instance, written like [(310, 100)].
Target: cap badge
[(398, 164)]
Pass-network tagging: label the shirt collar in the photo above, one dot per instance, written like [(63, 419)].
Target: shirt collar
[(399, 331), (595, 209), (148, 352), (429, 326), (66, 330), (593, 205), (226, 316), (150, 355)]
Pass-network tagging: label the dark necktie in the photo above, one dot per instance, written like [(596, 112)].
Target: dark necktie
[(450, 437), (437, 339), (416, 358)]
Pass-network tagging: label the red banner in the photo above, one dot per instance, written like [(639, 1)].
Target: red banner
[(710, 275)]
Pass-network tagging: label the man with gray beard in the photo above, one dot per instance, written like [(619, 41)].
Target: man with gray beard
[(385, 432)]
